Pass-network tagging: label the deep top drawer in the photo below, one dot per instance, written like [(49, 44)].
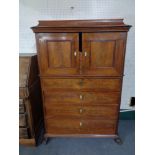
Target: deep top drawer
[(85, 84)]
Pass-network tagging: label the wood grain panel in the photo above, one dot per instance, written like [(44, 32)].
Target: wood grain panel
[(82, 84), (97, 25), (22, 120), (77, 126), (59, 54), (56, 54), (105, 53), (27, 142), (21, 106), (90, 98), (23, 133), (102, 54), (100, 112)]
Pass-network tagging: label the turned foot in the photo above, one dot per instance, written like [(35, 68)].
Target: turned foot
[(118, 140), (45, 141)]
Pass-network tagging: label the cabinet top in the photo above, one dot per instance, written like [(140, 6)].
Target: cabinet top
[(80, 25)]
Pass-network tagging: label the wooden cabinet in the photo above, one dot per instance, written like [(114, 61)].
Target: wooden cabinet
[(30, 100), (81, 69), (102, 53)]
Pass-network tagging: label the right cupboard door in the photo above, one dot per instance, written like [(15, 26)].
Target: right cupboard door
[(103, 53)]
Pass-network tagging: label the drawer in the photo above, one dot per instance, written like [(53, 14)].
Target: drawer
[(85, 84), (21, 106), (103, 112), (23, 133), (89, 98), (22, 120), (23, 92), (77, 126)]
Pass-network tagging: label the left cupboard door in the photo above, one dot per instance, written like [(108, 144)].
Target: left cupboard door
[(58, 53)]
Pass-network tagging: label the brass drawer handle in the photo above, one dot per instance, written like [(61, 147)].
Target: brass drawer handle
[(81, 97), (81, 124), (81, 111), (75, 53)]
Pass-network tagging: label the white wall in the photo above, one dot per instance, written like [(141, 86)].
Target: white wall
[(33, 10)]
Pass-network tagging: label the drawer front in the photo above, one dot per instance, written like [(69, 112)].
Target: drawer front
[(22, 120), (21, 109), (21, 106), (85, 84), (89, 98), (23, 92), (77, 126), (104, 112), (23, 133)]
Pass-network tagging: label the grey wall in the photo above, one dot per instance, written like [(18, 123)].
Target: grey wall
[(33, 10)]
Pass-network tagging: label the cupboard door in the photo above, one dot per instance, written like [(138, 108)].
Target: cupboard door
[(58, 53), (103, 53)]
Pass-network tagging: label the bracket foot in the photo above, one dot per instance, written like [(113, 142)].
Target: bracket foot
[(45, 140), (118, 140)]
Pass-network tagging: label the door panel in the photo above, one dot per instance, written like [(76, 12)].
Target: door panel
[(58, 53), (103, 53)]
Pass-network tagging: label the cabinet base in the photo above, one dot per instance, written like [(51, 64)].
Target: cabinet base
[(81, 135), (116, 138)]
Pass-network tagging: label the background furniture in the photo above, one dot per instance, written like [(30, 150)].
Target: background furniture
[(81, 66), (30, 101)]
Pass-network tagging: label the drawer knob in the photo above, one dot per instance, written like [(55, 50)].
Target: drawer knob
[(81, 110), (85, 53), (81, 124), (81, 97)]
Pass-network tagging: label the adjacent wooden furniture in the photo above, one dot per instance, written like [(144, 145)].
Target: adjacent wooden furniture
[(30, 101), (81, 70)]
